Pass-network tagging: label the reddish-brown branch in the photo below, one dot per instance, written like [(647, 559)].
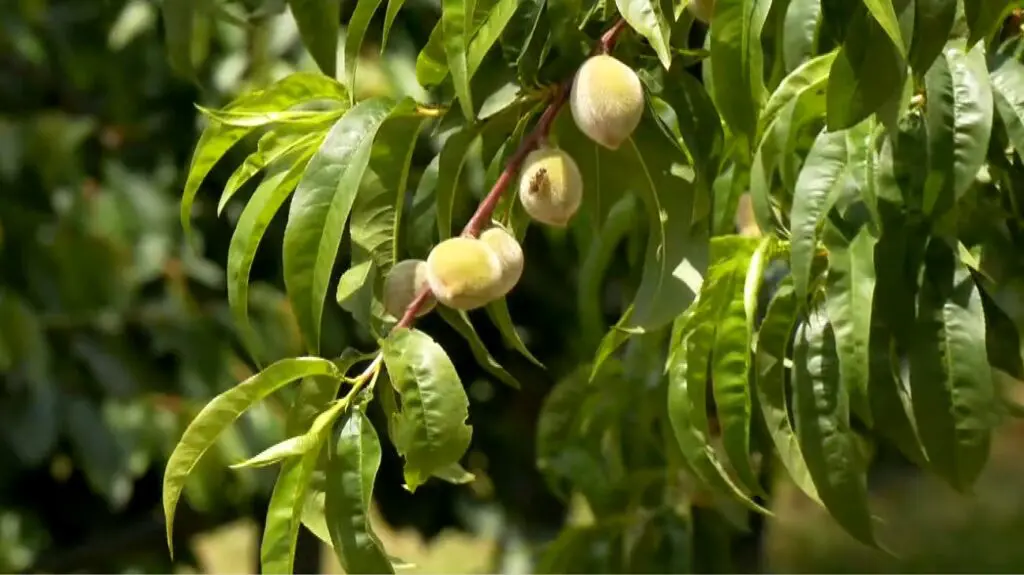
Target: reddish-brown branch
[(485, 210)]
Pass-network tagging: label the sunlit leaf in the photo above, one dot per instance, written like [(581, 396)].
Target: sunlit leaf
[(647, 18), (221, 412), (430, 430), (321, 205)]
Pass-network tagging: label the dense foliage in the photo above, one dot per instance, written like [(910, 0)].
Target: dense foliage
[(879, 142)]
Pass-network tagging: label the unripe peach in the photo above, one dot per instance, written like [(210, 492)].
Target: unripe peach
[(550, 186), (464, 273), (404, 281), (509, 253), (607, 100)]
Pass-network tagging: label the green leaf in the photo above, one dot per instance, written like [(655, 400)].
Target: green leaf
[(455, 23), (984, 16), (773, 339), (951, 382), (959, 113), (800, 32), (849, 288), (933, 23), (354, 34), (353, 460), (271, 148), (260, 119), (736, 51), (489, 31), (822, 416), (890, 399), (223, 410), (809, 77), (817, 189), (268, 198), (320, 209), (430, 430), (671, 244), (502, 319), (693, 441), (459, 320), (699, 124), (885, 15), (865, 75), (318, 22), (452, 160), (1008, 87), (394, 7), (731, 359), (179, 20), (647, 18), (217, 139), (296, 445), (293, 497)]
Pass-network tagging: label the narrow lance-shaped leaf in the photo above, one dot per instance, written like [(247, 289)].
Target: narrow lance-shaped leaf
[(217, 139), (867, 73), (800, 32), (984, 16), (459, 320), (959, 113), (850, 288), (292, 492), (822, 415), (885, 15), (1008, 87), (353, 460), (933, 22), (221, 412), (179, 17), (951, 382), (271, 148), (731, 365), (692, 441), (770, 382), (354, 34), (318, 22), (268, 198), (456, 33), (430, 431), (320, 209), (817, 188), (738, 85), (647, 18)]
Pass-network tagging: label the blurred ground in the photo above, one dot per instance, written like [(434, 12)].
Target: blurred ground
[(232, 549)]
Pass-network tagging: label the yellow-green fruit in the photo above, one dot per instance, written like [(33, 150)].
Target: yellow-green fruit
[(405, 280), (550, 186), (464, 273), (607, 100), (702, 9), (509, 253)]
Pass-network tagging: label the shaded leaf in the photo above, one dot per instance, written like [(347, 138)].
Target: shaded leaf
[(959, 114), (951, 382), (459, 320), (318, 22), (353, 460), (933, 22), (822, 415), (737, 73)]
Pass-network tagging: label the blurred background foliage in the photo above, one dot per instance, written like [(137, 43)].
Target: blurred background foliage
[(114, 332)]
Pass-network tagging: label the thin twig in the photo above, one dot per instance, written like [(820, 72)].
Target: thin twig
[(485, 210)]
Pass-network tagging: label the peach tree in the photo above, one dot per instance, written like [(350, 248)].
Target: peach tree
[(877, 143)]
